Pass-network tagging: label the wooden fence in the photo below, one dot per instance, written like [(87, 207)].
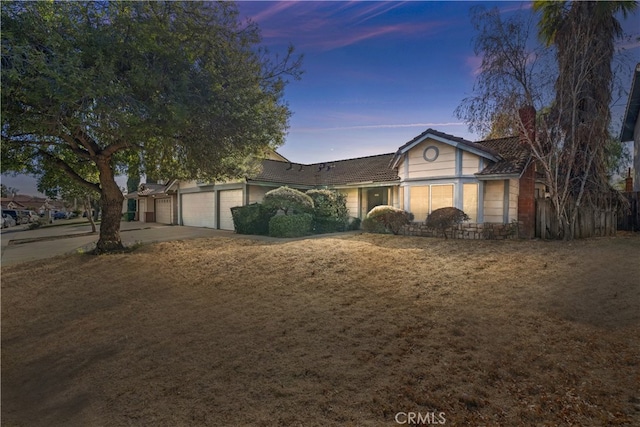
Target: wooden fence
[(590, 222), (629, 218)]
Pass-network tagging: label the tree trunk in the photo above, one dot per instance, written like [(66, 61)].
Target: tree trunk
[(111, 200), (88, 210)]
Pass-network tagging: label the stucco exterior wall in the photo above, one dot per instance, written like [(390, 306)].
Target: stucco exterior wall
[(352, 200), (187, 184), (257, 192)]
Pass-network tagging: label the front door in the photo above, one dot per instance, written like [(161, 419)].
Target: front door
[(376, 197)]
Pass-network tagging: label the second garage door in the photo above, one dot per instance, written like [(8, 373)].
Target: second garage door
[(198, 209), (228, 200), (163, 210)]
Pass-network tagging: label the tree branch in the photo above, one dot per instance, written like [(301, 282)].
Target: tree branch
[(68, 170)]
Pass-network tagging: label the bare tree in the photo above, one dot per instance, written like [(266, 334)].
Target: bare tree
[(570, 140), (514, 72), (572, 147)]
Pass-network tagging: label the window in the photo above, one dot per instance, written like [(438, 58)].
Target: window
[(441, 196), (419, 197), (470, 200)]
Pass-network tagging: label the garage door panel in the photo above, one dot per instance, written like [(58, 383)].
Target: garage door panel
[(198, 209), (163, 210), (228, 200)]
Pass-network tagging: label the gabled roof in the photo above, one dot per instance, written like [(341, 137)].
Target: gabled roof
[(445, 138), (633, 108), (514, 156), (147, 189), (370, 169)]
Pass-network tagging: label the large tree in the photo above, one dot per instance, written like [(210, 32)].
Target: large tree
[(87, 86), (576, 131), (514, 72), (571, 145)]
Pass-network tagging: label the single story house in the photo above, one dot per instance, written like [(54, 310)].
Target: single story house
[(493, 181)]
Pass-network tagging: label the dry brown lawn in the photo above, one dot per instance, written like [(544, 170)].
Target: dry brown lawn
[(335, 331)]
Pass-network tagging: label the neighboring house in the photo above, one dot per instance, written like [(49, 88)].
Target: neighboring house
[(8, 203), (631, 125), (156, 202), (32, 203), (24, 202), (493, 181)]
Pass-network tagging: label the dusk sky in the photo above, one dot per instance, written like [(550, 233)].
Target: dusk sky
[(376, 74)]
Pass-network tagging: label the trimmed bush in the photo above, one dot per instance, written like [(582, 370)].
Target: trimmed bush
[(328, 203), (386, 218), (445, 218), (252, 219), (296, 225), (323, 225), (289, 200), (330, 213), (372, 225)]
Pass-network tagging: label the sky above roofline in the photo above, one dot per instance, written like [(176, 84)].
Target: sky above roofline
[(377, 74)]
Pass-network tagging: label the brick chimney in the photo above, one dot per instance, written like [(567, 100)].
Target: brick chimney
[(527, 190), (628, 183), (527, 124)]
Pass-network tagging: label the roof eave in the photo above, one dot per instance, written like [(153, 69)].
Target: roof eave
[(453, 143), (497, 176), (633, 108)]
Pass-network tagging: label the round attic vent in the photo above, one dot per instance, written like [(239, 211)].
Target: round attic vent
[(430, 153)]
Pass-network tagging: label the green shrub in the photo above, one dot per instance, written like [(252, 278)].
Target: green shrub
[(289, 200), (354, 224), (386, 218), (290, 225), (330, 213), (445, 218), (328, 203), (252, 219), (372, 225), (328, 225)]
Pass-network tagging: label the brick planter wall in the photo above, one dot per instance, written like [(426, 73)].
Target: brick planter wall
[(487, 230)]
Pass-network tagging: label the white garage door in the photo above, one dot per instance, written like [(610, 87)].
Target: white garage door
[(163, 210), (228, 200), (198, 210)]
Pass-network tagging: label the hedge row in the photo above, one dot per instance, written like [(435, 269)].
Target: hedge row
[(296, 225), (327, 210)]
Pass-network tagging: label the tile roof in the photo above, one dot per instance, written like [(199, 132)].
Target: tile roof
[(148, 189), (449, 137), (513, 156), (369, 169)]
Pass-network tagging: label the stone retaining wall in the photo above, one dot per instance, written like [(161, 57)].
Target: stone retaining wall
[(487, 230)]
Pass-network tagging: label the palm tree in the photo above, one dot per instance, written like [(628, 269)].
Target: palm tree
[(583, 33)]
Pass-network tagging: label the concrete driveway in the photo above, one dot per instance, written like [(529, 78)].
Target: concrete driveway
[(67, 236)]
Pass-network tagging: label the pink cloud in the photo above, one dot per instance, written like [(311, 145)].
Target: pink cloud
[(384, 126), (474, 63), (273, 10), (316, 25), (516, 7)]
